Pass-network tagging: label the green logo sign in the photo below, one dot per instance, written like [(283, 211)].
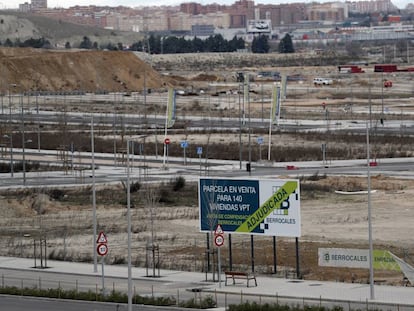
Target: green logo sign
[(274, 202)]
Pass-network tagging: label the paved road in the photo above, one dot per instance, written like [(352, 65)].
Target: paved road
[(154, 169)]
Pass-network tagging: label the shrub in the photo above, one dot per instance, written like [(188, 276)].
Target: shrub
[(178, 183), (56, 194), (205, 303), (165, 195), (134, 187)]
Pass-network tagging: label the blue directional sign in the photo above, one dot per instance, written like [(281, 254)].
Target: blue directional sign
[(265, 207), (260, 140), (199, 150), (184, 144)]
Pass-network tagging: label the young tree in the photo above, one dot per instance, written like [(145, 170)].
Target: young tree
[(236, 44), (286, 44), (171, 45), (154, 44), (8, 43), (86, 43), (260, 44), (198, 45), (137, 46)]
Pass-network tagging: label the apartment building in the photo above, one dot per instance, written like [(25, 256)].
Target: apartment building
[(327, 12), (371, 6), (234, 16), (282, 14), (37, 5)]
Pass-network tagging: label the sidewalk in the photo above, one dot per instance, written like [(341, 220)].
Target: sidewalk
[(266, 285)]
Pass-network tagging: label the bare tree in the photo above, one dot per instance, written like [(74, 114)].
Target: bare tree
[(151, 198)]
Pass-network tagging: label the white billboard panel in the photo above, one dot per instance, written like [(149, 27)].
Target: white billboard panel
[(356, 258), (266, 206), (259, 26), (343, 257)]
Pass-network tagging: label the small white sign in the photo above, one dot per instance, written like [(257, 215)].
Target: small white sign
[(102, 249), (219, 230), (102, 238), (219, 240)]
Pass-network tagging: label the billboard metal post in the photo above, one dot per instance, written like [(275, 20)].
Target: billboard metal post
[(297, 258), (252, 251), (230, 255), (208, 251), (274, 255)]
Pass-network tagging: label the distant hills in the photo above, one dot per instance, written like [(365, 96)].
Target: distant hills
[(22, 26)]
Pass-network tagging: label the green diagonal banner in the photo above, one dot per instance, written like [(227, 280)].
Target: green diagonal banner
[(267, 207)]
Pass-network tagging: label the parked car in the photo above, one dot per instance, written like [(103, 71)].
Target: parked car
[(322, 81), (387, 83)]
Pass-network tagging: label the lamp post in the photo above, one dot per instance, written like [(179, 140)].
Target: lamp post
[(129, 232), (11, 153), (23, 142), (95, 257), (370, 242), (38, 121), (24, 158)]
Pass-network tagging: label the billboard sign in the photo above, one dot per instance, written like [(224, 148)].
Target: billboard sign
[(259, 26), (356, 258), (249, 206)]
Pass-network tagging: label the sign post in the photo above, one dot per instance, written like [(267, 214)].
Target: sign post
[(184, 145), (200, 152), (102, 250), (219, 241), (167, 141), (260, 142)]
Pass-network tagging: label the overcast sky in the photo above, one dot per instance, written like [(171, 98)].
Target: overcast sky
[(134, 3)]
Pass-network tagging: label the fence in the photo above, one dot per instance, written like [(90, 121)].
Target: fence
[(158, 289)]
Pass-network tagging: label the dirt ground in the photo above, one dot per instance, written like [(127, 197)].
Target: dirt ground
[(328, 219)]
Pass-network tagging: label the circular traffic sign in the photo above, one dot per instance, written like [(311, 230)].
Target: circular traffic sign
[(219, 240), (167, 141), (102, 249)]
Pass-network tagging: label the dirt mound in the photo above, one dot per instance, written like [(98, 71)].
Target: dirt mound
[(89, 71)]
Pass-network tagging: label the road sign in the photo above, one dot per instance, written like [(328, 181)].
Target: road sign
[(167, 141), (199, 150), (260, 140), (219, 240), (102, 249), (219, 230), (184, 144), (102, 238)]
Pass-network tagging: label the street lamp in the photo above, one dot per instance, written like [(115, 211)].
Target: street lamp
[(129, 232), (11, 153), (23, 141), (24, 159)]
